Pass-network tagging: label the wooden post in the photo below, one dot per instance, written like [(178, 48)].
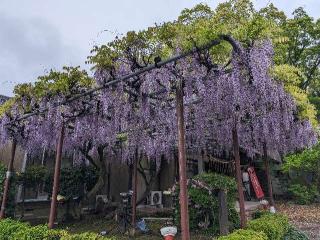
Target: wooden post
[(23, 169), (184, 215), (176, 165), (56, 179), (134, 194), (6, 187), (269, 181), (236, 151), (223, 213), (109, 178), (130, 173)]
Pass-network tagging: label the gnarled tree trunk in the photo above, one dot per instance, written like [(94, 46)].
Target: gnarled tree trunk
[(100, 164), (148, 182)]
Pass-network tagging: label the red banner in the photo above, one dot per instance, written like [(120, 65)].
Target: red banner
[(255, 183)]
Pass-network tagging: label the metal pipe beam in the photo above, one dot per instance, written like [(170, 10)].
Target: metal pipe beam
[(127, 77)]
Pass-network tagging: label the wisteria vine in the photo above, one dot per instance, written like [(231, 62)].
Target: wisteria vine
[(140, 114)]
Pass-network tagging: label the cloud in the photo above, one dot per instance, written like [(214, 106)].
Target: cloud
[(38, 35), (27, 48)]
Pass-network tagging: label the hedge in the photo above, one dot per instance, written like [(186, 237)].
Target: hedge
[(85, 236), (267, 227), (245, 234), (14, 230), (302, 194), (275, 226)]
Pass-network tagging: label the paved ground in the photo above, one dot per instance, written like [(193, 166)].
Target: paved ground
[(311, 229), (304, 217)]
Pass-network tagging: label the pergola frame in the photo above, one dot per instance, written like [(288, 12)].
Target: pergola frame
[(181, 141)]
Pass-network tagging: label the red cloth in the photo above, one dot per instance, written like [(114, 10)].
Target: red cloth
[(255, 183)]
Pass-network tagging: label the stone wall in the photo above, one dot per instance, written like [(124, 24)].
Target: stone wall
[(5, 155)]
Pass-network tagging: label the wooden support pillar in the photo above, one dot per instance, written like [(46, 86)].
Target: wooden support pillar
[(184, 215), (223, 213), (268, 175), (56, 179), (236, 151), (134, 194), (6, 188)]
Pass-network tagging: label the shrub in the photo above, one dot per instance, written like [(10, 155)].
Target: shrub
[(207, 204), (295, 234), (33, 176), (259, 213), (14, 230), (11, 202), (8, 227), (275, 226), (305, 168), (39, 232), (245, 234), (302, 194), (73, 181), (84, 236)]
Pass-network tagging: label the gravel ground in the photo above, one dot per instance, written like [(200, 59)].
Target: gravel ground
[(304, 217)]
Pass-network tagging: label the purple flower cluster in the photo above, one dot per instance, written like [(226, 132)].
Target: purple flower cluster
[(140, 115)]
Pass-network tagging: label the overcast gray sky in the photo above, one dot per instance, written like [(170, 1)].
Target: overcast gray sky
[(37, 35)]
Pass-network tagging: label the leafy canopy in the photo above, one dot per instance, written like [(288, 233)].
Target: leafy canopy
[(295, 41), (69, 81), (307, 160)]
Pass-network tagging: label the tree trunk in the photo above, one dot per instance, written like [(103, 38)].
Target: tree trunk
[(148, 184), (99, 164), (147, 191), (223, 213), (102, 174), (268, 175)]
